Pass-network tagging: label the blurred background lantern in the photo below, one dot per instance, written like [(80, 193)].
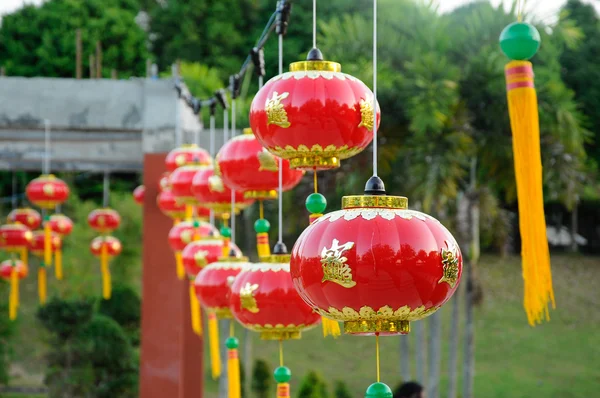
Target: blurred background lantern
[(169, 206), (38, 248), (186, 154), (47, 191), (16, 238), (26, 216), (105, 247), (61, 224), (12, 271), (104, 220), (138, 194), (183, 234)]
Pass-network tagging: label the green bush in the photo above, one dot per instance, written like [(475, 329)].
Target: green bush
[(313, 386), (341, 390), (262, 379), (124, 307)]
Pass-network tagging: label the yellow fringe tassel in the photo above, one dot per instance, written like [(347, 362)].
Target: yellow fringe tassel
[(213, 335), (523, 110), (47, 244), (262, 245), (179, 266), (13, 302), (283, 390), (195, 311), (233, 374), (42, 289), (330, 328), (189, 212), (106, 282), (58, 270), (24, 256), (226, 247)]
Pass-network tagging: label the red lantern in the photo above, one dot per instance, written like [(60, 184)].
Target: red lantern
[(183, 234), (61, 224), (210, 190), (187, 154), (37, 243), (264, 299), (376, 265), (26, 216), (314, 115), (15, 238), (213, 284), (105, 247), (204, 251), (104, 220), (47, 191), (138, 194), (39, 248), (163, 183), (248, 167), (167, 203), (13, 271)]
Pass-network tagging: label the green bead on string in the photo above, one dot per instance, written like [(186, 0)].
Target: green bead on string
[(226, 232), (316, 203), (232, 343), (379, 390), (520, 41), (262, 226), (282, 374)]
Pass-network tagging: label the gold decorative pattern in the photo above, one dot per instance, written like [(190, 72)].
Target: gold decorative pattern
[(374, 201), (48, 189), (231, 263), (186, 236), (222, 312), (276, 113), (266, 266), (215, 184), (322, 66), (366, 313), (276, 259), (216, 166), (334, 264), (200, 258), (267, 161), (321, 163), (223, 209), (366, 112), (247, 300), (180, 159), (377, 326), (266, 195), (371, 213), (279, 331), (315, 152), (450, 263)]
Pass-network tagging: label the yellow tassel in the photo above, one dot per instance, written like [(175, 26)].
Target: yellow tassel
[(233, 374), (47, 244), (330, 327), (42, 289), (262, 245), (195, 311), (13, 302), (226, 247), (58, 270), (283, 390), (25, 256), (213, 335), (189, 212), (179, 265), (106, 282), (523, 110)]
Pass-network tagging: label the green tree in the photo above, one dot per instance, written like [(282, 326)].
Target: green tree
[(262, 379), (124, 307), (313, 386), (40, 40), (341, 390)]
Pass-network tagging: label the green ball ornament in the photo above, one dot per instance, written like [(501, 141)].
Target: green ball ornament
[(196, 224), (261, 225), (316, 203), (226, 232), (232, 343), (520, 41), (282, 374), (378, 390)]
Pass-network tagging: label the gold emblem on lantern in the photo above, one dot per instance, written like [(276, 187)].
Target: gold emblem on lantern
[(186, 236), (200, 258), (247, 300), (267, 161), (366, 112), (450, 264), (216, 167), (48, 189), (215, 184), (116, 246), (276, 114), (180, 159), (335, 268)]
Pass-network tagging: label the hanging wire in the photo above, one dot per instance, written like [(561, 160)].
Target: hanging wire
[(212, 154), (233, 102), (280, 352), (377, 356), (46, 161), (520, 6), (14, 198), (280, 159), (314, 23), (375, 88), (106, 189), (225, 125)]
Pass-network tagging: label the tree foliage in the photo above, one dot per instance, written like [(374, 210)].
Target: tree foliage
[(313, 386), (262, 379)]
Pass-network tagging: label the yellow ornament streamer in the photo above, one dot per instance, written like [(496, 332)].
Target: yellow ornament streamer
[(523, 110), (233, 368), (58, 269), (179, 264), (330, 327), (47, 244), (195, 311), (213, 335), (42, 285), (13, 302), (106, 282)]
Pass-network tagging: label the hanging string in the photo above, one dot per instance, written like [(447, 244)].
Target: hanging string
[(46, 162), (315, 182), (14, 200), (225, 125), (231, 328), (375, 88), (280, 352), (211, 148), (377, 355), (520, 6), (280, 159), (314, 23), (106, 189), (232, 191)]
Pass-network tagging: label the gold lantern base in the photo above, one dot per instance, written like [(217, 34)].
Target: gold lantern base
[(377, 326)]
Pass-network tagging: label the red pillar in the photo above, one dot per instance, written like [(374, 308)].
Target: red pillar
[(171, 354)]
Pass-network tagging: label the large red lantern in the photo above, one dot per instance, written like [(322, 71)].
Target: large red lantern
[(210, 190), (138, 194), (169, 206), (61, 224), (204, 251), (314, 115), (182, 234), (13, 271), (47, 191), (163, 182), (187, 154), (180, 182), (105, 247), (263, 299), (246, 166), (375, 265), (104, 220), (26, 216)]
